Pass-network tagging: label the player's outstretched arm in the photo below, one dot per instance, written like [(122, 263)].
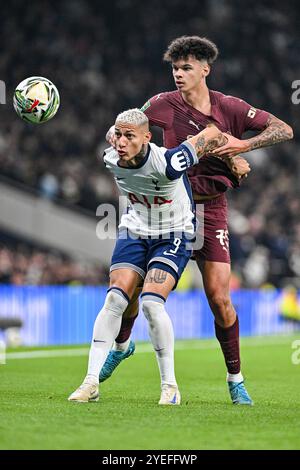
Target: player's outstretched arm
[(207, 140), (276, 131), (179, 159)]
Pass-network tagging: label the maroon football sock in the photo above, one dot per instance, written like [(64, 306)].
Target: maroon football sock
[(125, 330), (229, 341)]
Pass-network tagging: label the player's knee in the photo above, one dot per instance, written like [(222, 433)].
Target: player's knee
[(116, 302), (151, 309), (125, 281), (219, 300)]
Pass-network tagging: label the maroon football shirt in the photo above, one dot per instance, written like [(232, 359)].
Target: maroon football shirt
[(179, 119)]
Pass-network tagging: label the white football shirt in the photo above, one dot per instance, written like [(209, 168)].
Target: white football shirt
[(158, 190)]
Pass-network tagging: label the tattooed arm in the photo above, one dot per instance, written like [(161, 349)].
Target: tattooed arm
[(276, 131), (207, 140), (179, 159)]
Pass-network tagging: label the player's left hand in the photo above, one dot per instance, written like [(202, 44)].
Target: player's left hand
[(232, 148), (110, 136), (238, 166)]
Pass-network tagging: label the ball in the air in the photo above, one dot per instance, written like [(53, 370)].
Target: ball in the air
[(36, 100)]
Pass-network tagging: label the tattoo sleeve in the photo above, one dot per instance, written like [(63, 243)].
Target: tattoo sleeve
[(215, 143), (199, 146), (157, 276), (204, 144), (276, 131)]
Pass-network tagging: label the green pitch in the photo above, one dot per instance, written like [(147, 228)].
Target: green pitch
[(35, 413)]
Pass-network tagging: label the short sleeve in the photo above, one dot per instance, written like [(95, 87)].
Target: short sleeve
[(179, 159), (159, 111), (243, 116)]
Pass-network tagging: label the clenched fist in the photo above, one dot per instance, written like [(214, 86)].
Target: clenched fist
[(238, 166), (110, 136)]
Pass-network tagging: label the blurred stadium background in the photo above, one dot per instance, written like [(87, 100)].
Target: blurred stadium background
[(105, 58)]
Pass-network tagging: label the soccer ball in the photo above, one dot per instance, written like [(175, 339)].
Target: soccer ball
[(36, 100)]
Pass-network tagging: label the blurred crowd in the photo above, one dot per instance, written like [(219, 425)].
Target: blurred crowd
[(101, 65), (22, 263)]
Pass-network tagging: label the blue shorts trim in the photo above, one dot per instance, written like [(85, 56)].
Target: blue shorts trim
[(140, 271), (139, 254), (167, 261)]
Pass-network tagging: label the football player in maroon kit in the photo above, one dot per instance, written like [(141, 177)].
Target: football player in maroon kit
[(185, 112)]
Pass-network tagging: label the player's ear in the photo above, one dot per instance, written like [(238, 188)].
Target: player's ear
[(147, 137), (206, 69)]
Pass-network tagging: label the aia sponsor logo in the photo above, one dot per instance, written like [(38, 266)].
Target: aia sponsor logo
[(144, 200)]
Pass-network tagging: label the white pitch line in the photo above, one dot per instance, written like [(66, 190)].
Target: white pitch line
[(49, 353), (147, 348)]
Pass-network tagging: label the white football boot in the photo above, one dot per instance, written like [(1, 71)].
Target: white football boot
[(88, 391), (170, 395)]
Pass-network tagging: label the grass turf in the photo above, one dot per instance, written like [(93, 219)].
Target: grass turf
[(35, 413)]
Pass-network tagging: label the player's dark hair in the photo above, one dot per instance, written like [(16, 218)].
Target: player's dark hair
[(185, 46)]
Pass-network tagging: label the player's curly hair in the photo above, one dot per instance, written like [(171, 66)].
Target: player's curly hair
[(184, 46)]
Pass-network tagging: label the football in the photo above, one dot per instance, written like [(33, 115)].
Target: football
[(36, 100)]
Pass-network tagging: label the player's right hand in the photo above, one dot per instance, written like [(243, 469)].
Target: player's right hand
[(110, 136)]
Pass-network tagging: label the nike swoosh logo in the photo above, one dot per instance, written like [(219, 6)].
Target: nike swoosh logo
[(99, 341), (174, 399), (169, 254)]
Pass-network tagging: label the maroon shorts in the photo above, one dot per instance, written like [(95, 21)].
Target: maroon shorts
[(212, 230)]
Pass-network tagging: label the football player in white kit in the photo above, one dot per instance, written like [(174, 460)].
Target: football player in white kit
[(153, 245)]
